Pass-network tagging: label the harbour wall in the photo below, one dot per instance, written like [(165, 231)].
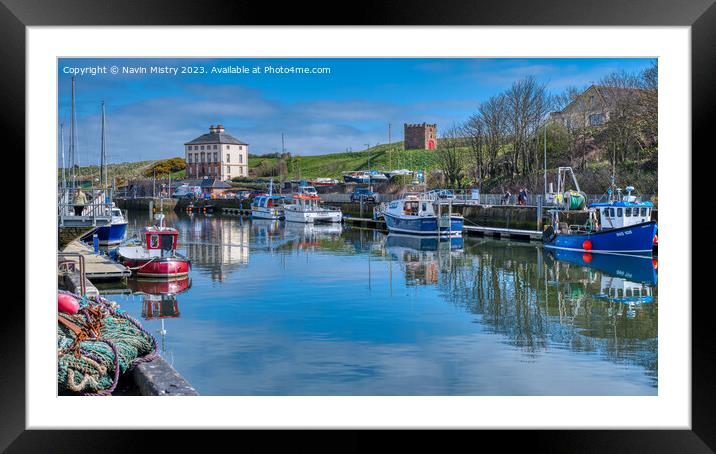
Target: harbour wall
[(144, 203), (510, 216)]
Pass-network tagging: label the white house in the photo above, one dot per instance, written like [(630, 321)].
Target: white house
[(217, 155)]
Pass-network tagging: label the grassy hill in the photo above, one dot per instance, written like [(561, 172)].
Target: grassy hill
[(381, 157), (121, 171)]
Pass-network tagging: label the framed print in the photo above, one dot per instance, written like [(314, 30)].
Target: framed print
[(407, 222)]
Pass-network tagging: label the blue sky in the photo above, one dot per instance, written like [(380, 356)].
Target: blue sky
[(151, 116)]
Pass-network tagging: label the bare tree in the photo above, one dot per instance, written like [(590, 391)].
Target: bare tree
[(493, 114), (474, 132), (450, 156)]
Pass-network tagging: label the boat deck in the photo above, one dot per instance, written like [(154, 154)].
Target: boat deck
[(96, 266)]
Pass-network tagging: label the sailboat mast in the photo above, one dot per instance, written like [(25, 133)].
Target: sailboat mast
[(73, 159), (62, 152), (103, 157)]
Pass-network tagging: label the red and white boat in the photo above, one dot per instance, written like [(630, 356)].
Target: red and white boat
[(157, 256)]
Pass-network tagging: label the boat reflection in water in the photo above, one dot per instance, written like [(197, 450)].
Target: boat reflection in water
[(422, 257), (312, 235), (627, 281), (632, 268), (159, 299)]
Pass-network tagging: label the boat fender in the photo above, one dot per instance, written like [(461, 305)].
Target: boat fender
[(67, 304), (587, 245)]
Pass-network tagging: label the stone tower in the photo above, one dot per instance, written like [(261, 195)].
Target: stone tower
[(421, 136)]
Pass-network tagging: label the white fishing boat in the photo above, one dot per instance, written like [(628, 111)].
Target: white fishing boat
[(306, 208), (422, 214), (268, 206)]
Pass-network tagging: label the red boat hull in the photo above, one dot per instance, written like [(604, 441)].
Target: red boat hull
[(167, 267)]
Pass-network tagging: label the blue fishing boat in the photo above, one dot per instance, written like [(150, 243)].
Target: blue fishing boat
[(416, 214), (113, 233), (624, 227)]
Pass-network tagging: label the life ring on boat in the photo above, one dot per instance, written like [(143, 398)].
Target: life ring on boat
[(67, 303), (548, 234)]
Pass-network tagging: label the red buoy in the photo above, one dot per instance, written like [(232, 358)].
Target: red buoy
[(67, 303), (587, 257), (656, 239), (587, 245), (655, 262)]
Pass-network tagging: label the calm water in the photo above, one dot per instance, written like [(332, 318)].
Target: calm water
[(283, 309)]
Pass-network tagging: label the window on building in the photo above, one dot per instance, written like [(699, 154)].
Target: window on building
[(227, 147), (214, 147), (228, 157), (202, 147), (241, 159), (203, 157), (216, 156), (228, 169), (596, 119)]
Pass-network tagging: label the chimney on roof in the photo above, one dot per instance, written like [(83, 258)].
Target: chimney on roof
[(212, 129), (220, 129)]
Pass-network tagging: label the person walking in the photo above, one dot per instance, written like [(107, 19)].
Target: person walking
[(522, 197), (80, 202), (506, 198)]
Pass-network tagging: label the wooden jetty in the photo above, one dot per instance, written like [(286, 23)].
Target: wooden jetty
[(499, 232), (96, 266)]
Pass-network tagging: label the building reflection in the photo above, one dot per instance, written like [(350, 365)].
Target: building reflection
[(217, 245)]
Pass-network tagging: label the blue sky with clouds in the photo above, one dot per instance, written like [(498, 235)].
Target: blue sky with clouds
[(151, 116)]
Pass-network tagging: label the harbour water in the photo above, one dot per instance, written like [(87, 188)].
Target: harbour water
[(286, 309)]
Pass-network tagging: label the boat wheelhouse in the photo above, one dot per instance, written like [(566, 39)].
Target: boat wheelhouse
[(306, 208), (156, 256), (268, 207), (614, 227), (416, 214)]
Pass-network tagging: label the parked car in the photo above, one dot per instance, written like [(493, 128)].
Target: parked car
[(367, 194), (242, 195)]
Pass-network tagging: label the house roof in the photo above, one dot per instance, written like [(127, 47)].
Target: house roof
[(216, 137), (608, 95)]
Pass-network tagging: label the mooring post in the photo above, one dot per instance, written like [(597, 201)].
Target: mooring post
[(539, 212), (151, 207)]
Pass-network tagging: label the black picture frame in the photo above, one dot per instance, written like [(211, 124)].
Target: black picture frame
[(700, 15)]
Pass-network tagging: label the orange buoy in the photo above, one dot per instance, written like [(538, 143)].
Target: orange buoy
[(67, 304), (587, 257), (655, 262), (656, 239), (587, 245)]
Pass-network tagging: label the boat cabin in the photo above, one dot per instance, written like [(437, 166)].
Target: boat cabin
[(268, 201), (306, 201), (614, 215), (412, 205), (160, 241)]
